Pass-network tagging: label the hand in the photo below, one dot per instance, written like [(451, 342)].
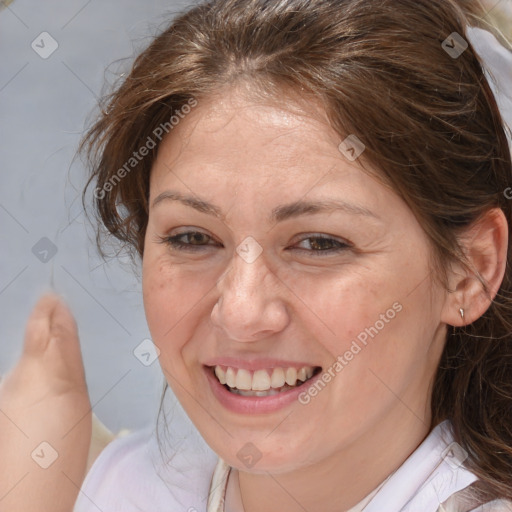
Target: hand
[(44, 399)]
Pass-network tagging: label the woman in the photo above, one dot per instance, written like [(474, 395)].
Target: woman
[(317, 193)]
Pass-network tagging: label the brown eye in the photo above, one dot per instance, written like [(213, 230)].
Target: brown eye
[(195, 238), (321, 245), (188, 241)]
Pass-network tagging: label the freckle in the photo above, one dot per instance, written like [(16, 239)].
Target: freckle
[(162, 277)]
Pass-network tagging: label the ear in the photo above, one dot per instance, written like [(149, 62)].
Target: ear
[(485, 245)]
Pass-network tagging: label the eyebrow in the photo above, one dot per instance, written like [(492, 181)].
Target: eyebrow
[(278, 214)]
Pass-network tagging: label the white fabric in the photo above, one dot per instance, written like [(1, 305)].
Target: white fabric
[(497, 64), (130, 476), (136, 474)]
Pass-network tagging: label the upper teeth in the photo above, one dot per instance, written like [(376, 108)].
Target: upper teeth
[(262, 380)]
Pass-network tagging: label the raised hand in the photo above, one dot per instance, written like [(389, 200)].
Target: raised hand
[(45, 416)]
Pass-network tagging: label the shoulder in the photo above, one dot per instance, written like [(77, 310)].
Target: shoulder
[(494, 506), (135, 474), (443, 483), (428, 478)]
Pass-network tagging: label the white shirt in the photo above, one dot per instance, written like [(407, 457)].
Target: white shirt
[(133, 475)]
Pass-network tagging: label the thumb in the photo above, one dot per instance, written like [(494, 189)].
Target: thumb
[(49, 318), (51, 338)]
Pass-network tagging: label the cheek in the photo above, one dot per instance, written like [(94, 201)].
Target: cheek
[(172, 297), (374, 321), (340, 308), (162, 303), (386, 352), (158, 299)]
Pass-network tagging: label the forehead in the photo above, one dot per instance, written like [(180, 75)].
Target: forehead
[(236, 140)]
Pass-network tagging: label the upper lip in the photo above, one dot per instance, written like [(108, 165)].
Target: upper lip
[(256, 364)]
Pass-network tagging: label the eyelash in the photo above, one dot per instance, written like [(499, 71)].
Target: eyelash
[(176, 244)]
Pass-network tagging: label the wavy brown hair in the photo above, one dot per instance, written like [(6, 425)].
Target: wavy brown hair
[(429, 122)]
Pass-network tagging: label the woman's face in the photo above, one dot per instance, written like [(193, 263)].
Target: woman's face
[(293, 264)]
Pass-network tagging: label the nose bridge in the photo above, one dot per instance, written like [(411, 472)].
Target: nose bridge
[(247, 266), (245, 278), (248, 306)]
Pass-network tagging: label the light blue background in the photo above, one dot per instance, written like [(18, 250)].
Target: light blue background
[(44, 106)]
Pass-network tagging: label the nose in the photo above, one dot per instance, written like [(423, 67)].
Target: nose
[(249, 307)]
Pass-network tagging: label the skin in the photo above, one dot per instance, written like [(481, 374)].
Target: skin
[(248, 157), (44, 399)]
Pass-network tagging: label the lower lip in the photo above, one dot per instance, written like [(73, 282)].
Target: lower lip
[(255, 404)]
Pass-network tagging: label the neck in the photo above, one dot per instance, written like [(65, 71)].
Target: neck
[(345, 478)]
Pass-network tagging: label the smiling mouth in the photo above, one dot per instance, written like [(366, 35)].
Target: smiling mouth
[(266, 382)]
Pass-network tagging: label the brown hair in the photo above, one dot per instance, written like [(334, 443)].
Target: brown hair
[(429, 122)]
